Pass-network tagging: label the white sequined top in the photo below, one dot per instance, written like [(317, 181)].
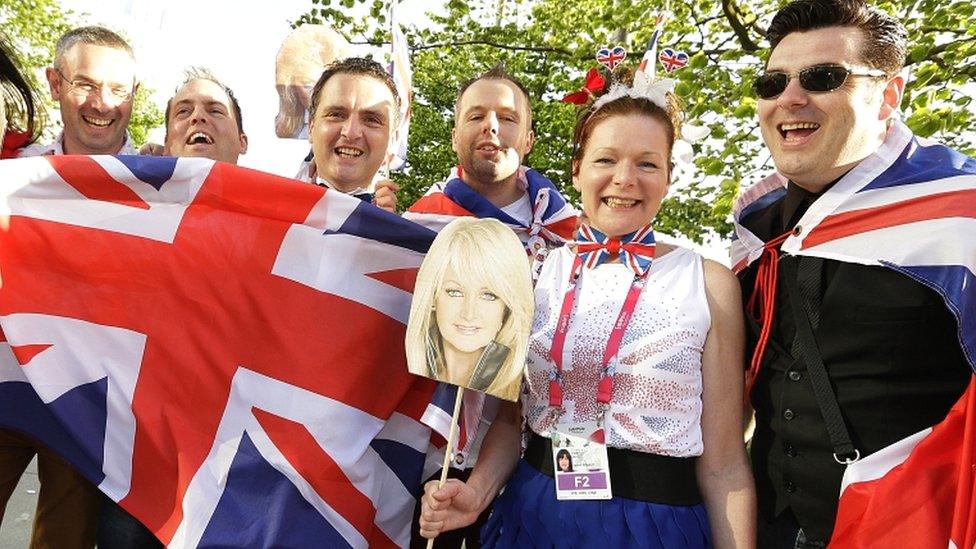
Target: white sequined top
[(656, 405)]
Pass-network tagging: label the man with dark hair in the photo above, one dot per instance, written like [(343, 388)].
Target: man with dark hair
[(353, 117), (203, 118), (492, 135), (93, 80), (853, 346)]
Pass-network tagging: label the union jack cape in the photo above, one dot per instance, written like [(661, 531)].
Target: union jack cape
[(911, 207), (218, 349), (553, 219)]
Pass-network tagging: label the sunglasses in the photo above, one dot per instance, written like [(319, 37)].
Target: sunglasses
[(818, 78)]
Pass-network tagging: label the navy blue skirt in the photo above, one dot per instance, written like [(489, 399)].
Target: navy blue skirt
[(527, 514)]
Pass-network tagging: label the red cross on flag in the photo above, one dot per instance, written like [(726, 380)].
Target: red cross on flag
[(218, 349)]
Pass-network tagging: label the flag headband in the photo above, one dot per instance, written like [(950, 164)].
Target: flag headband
[(644, 87)]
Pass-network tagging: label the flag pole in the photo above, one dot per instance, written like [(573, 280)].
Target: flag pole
[(449, 449)]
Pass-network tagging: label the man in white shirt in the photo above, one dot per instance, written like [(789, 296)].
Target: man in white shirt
[(492, 135), (94, 81)]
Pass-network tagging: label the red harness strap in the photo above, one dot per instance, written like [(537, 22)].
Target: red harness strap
[(761, 306)]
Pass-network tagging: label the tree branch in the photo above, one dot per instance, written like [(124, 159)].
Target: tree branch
[(937, 50), (539, 49), (731, 12)]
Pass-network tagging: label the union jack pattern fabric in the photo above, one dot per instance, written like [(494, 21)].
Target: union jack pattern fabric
[(919, 492), (672, 60), (636, 249), (911, 207), (611, 57), (650, 54), (218, 349), (553, 218)]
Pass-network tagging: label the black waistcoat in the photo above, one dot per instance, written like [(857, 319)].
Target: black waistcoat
[(892, 353)]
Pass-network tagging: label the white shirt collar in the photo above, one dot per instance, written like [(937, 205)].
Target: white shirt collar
[(56, 147)]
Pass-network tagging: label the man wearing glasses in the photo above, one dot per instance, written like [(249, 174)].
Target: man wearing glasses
[(93, 80), (850, 353)]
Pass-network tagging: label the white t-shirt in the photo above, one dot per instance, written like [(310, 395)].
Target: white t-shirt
[(520, 210)]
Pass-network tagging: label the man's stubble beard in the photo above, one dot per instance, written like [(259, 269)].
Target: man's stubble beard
[(482, 171)]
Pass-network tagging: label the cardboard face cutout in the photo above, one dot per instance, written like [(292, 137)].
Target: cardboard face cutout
[(472, 309), (303, 56)]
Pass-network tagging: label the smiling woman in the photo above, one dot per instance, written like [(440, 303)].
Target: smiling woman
[(469, 323), (635, 355)]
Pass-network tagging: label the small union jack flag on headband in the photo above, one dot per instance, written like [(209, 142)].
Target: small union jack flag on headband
[(673, 60), (611, 57)]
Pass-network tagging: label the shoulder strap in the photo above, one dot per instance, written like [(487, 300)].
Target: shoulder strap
[(844, 451)]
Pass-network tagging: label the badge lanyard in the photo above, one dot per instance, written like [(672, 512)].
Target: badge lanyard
[(608, 368)]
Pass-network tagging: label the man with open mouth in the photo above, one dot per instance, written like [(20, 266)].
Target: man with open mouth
[(857, 335), (203, 119), (353, 116), (93, 80)]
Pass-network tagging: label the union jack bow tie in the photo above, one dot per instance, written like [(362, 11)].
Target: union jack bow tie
[(636, 249)]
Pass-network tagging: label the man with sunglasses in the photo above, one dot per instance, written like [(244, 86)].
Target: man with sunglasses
[(849, 353), (93, 80)]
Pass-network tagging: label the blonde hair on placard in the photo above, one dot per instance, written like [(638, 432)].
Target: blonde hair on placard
[(490, 252)]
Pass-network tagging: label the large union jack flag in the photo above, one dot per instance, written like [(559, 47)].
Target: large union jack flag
[(911, 207), (219, 350)]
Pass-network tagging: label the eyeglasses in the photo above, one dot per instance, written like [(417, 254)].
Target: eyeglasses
[(84, 88), (818, 78)]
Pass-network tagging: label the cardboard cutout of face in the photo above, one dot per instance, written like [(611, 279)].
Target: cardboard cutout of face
[(472, 309), (300, 61)]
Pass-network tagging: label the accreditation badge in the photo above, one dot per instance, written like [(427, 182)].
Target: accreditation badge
[(580, 465)]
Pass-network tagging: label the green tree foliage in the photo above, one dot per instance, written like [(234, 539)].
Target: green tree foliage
[(33, 27), (550, 44)]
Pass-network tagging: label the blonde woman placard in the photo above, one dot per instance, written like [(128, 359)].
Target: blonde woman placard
[(472, 309)]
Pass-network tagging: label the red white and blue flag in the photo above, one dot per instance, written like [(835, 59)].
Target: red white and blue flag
[(650, 54), (911, 207), (218, 349), (553, 218), (917, 492)]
